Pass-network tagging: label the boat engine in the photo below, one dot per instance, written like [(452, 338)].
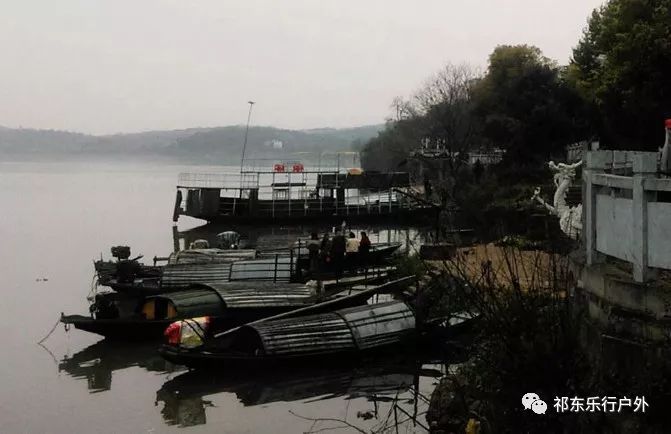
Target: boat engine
[(124, 270), (121, 252), (127, 270)]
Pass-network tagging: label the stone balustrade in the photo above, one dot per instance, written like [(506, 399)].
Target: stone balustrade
[(627, 211)]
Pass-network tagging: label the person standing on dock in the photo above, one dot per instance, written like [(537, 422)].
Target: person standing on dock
[(364, 244), (352, 245), (364, 248), (428, 190), (338, 248), (313, 252), (325, 249), (351, 249)]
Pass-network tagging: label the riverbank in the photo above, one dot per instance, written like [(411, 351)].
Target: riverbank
[(534, 337)]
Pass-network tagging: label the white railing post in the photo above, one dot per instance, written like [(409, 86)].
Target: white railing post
[(595, 162), (643, 165)]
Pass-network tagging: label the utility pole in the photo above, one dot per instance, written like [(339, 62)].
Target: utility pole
[(244, 146)]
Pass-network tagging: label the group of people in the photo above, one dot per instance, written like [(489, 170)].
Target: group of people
[(333, 252)]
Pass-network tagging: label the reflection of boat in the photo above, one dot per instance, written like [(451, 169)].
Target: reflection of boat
[(186, 396), (121, 316), (330, 337), (97, 362)]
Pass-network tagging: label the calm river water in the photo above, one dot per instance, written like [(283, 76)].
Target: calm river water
[(55, 219)]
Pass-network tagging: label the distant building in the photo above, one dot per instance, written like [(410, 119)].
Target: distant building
[(486, 157), (275, 144), (433, 160), (438, 150), (576, 151)]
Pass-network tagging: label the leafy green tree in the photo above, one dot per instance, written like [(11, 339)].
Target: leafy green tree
[(526, 107), (390, 148), (622, 66)]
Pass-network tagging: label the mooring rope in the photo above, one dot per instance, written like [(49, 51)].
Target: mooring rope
[(52, 330), (50, 353)]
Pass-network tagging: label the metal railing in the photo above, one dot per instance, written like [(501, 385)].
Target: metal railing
[(217, 180), (300, 201), (277, 267)]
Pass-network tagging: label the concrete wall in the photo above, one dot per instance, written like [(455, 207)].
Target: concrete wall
[(614, 223), (622, 216), (659, 234)]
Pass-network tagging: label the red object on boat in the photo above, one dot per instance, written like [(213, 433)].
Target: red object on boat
[(174, 333), (298, 167), (667, 123), (278, 168)]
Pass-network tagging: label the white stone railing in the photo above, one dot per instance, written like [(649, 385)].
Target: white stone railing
[(623, 216)]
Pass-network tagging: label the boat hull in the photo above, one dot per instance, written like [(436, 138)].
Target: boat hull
[(138, 329), (118, 329), (134, 290)]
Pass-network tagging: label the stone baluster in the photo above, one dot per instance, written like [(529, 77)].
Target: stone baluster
[(595, 162), (644, 164)]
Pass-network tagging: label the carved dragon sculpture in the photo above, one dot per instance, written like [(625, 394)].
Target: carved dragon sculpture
[(570, 218)]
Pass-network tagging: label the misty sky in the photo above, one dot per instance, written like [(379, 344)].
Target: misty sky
[(132, 65)]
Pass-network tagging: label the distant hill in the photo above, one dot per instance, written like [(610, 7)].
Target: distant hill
[(218, 144)]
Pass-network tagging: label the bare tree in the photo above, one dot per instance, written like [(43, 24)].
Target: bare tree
[(445, 106), (450, 85), (440, 112)]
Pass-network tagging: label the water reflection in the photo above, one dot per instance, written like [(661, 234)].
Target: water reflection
[(185, 397), (97, 362)]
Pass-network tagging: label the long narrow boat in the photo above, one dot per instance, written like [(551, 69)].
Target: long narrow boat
[(121, 316), (221, 266), (327, 337)]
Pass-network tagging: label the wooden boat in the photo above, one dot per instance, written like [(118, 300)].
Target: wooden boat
[(218, 266), (209, 256), (179, 276), (117, 315), (327, 337)]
